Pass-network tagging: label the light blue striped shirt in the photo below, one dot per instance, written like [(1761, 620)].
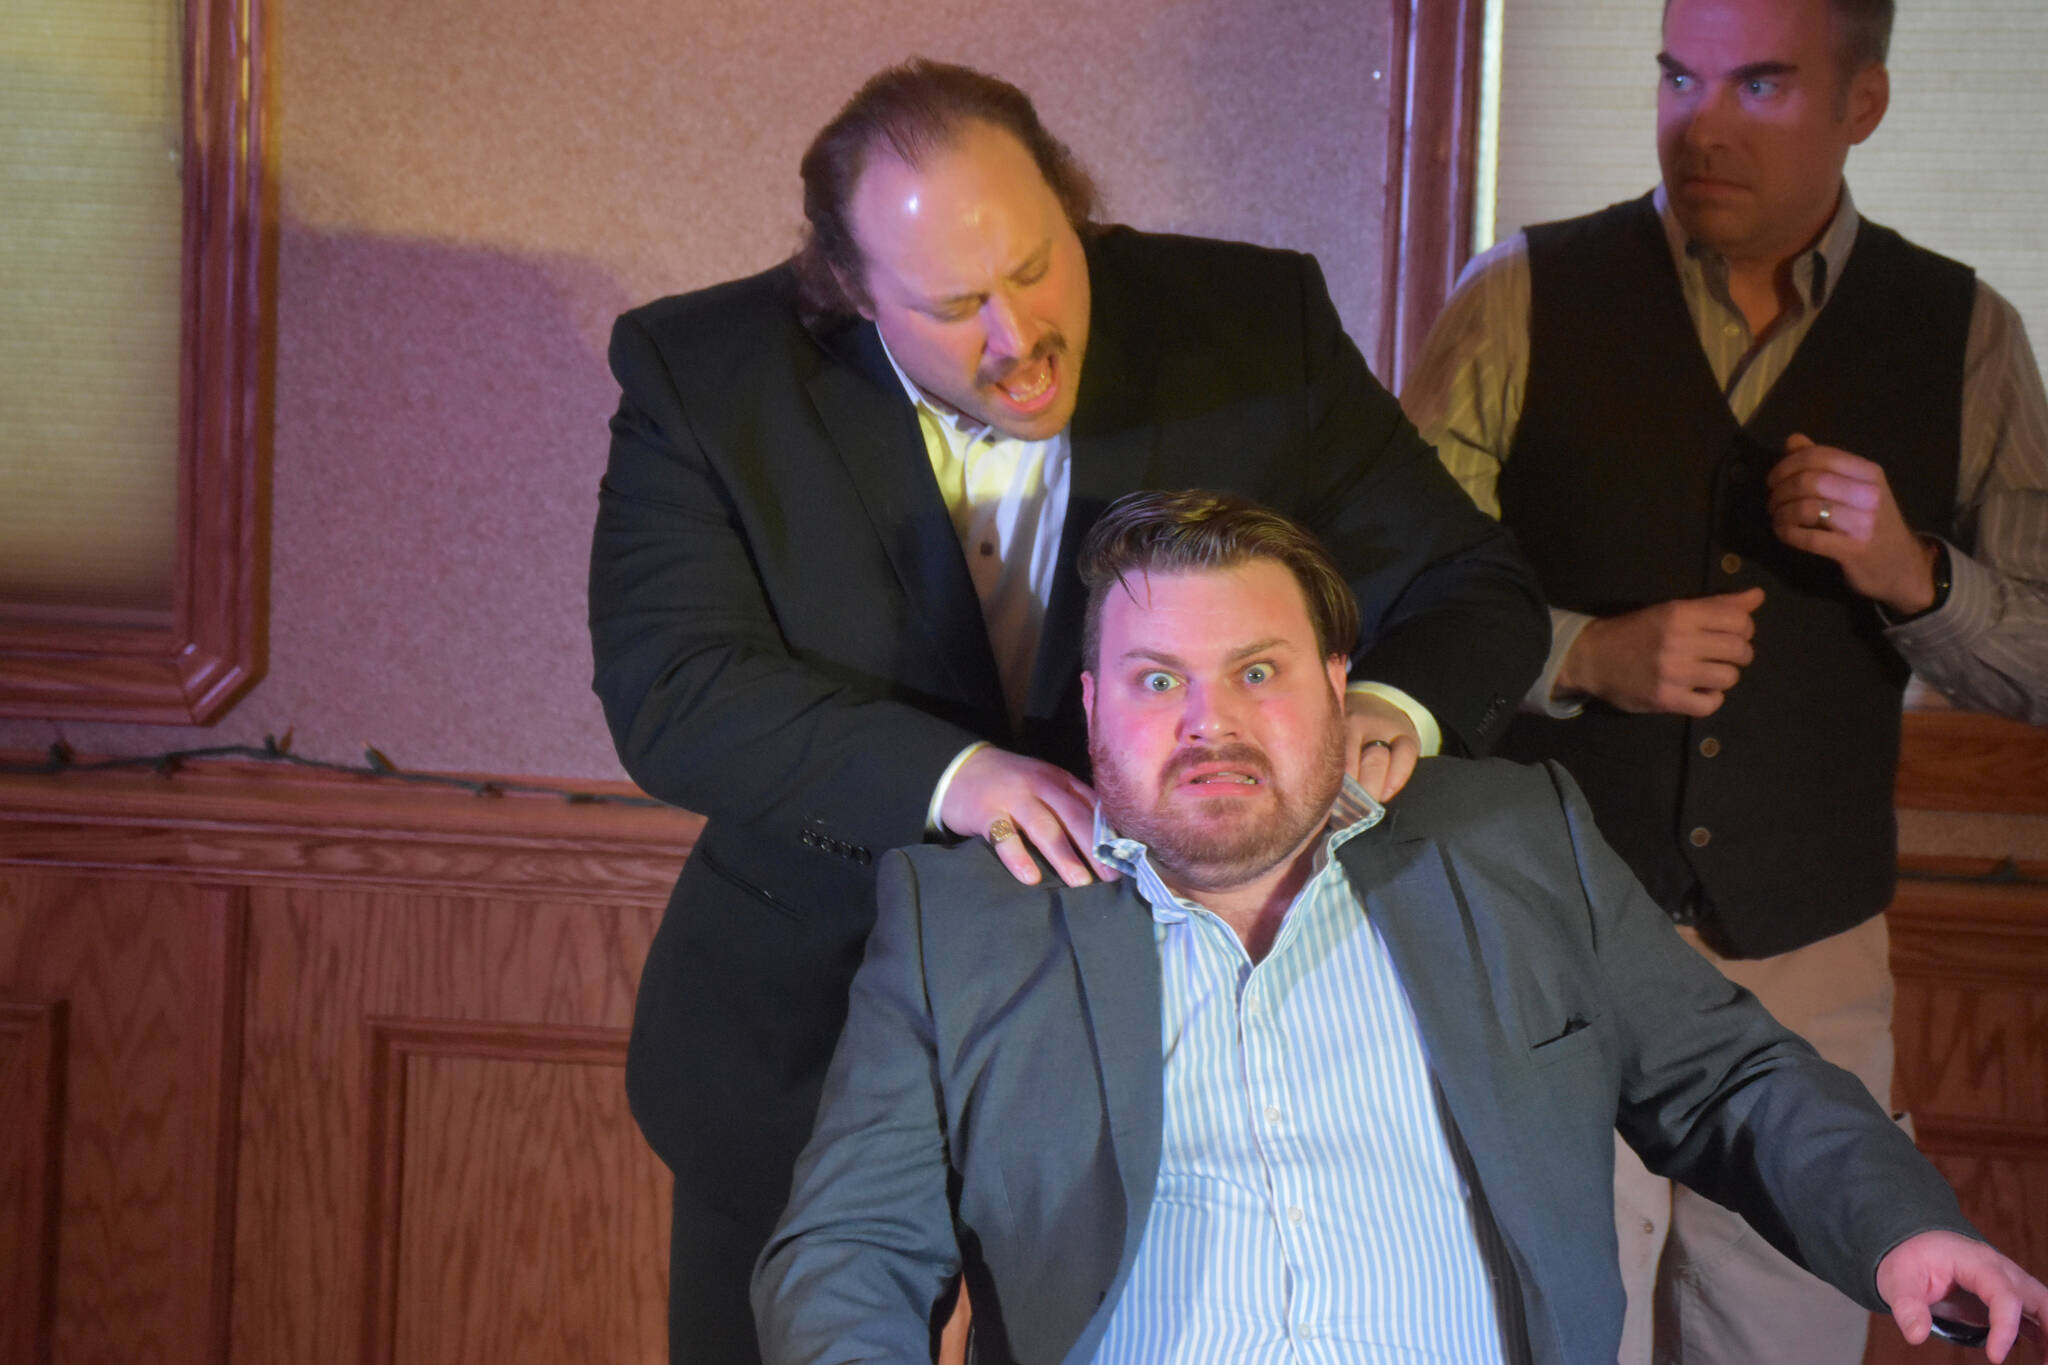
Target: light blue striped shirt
[(1313, 1201)]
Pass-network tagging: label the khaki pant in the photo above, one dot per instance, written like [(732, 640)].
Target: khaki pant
[(1721, 1294)]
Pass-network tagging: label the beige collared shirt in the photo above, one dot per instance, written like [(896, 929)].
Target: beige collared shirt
[(1987, 648)]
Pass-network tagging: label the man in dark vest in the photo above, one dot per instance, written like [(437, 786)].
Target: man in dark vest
[(1768, 459)]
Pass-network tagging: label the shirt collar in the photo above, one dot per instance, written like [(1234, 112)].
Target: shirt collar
[(960, 422), (1352, 813), (1813, 271)]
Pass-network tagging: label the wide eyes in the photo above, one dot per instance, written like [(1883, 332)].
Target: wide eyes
[(1158, 680)]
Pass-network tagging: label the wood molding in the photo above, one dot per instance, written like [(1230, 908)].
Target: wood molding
[(1953, 760), (255, 823), (187, 670), (32, 1053), (393, 1044), (1432, 143)]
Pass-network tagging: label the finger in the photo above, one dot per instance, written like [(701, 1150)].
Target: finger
[(1400, 767), (1371, 764), (1913, 1320), (1048, 834), (1704, 675), (1689, 701), (1014, 854), (1074, 807)]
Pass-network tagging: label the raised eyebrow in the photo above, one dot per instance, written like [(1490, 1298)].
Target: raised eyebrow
[(1756, 69)]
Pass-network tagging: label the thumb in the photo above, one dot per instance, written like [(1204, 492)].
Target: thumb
[(1913, 1319), (1797, 442)]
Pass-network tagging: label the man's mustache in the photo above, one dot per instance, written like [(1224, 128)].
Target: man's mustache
[(1048, 344)]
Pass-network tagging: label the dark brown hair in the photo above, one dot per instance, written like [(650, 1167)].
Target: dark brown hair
[(1863, 33), (1202, 529), (911, 111)]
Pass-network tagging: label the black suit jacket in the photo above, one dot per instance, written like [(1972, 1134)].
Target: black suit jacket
[(787, 639)]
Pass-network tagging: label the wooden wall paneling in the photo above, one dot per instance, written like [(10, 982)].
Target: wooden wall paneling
[(267, 824), (1972, 1029), (150, 980), (32, 1052), (515, 1213), (1953, 760), (476, 1007)]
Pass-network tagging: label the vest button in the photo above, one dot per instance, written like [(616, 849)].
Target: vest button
[(1700, 836), (1731, 563), (1709, 747)]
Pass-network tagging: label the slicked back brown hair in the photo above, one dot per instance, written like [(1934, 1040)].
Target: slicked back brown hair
[(909, 112), (1200, 529)]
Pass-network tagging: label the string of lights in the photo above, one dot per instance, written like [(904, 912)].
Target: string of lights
[(59, 759)]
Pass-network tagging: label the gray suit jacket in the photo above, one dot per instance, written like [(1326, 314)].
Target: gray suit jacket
[(994, 1107)]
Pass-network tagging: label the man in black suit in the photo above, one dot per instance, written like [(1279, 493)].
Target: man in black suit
[(833, 601)]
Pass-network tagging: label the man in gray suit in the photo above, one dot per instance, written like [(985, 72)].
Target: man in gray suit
[(1316, 1078)]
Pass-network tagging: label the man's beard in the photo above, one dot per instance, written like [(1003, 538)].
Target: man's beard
[(1219, 844)]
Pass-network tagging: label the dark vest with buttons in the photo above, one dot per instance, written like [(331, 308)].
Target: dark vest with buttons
[(1630, 483)]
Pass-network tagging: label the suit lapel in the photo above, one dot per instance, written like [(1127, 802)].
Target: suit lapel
[(1111, 933), (1422, 915), (875, 432)]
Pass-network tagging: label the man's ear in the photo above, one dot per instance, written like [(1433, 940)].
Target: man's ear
[(1339, 669), (1870, 94), (1088, 696)]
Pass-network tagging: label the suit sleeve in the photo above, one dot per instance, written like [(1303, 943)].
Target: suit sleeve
[(1717, 1094), (1452, 614), (707, 704), (865, 1250)]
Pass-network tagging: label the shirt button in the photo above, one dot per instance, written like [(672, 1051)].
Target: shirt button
[(1700, 836), (1272, 1113), (1709, 747), (1733, 329), (1294, 1215), (1731, 563)]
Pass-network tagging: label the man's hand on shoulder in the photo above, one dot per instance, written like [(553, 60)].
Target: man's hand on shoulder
[(1831, 503), (1680, 656), (1966, 1281), (1382, 746), (1018, 804)]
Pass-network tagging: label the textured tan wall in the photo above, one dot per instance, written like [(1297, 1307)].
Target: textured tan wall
[(472, 189)]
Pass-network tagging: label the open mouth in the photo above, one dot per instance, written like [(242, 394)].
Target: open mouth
[(1030, 386)]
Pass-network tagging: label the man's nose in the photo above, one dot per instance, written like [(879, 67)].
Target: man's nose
[(1708, 121), (1209, 715), (1012, 333)]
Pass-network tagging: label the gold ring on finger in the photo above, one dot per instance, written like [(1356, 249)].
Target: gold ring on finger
[(1002, 829)]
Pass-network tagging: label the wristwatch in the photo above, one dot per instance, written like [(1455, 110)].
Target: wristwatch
[(1942, 583)]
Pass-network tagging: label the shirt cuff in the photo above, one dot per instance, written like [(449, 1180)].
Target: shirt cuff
[(932, 824), (1542, 698), (1971, 609), (1427, 730)]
